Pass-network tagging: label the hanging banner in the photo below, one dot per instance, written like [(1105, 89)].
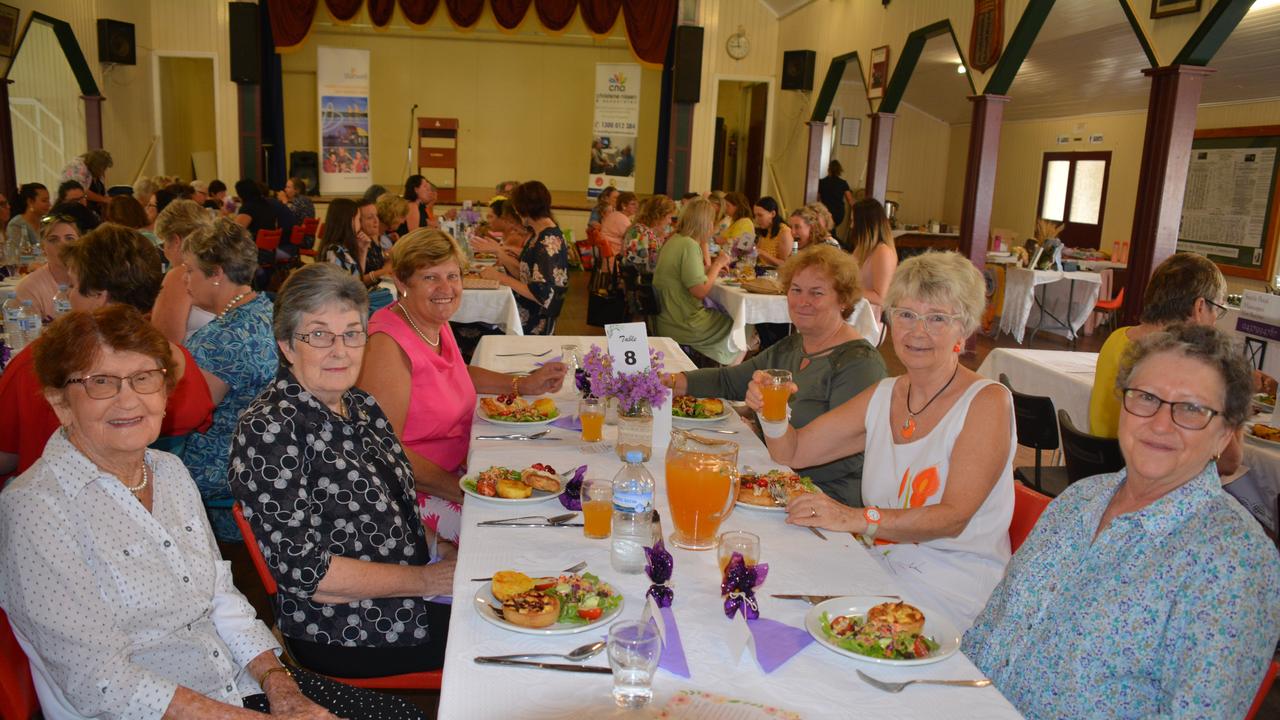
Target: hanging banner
[(986, 39), (342, 79), (614, 130)]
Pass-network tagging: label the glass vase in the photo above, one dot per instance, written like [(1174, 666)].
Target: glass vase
[(635, 430)]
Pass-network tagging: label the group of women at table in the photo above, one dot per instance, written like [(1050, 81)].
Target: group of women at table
[(1147, 591)]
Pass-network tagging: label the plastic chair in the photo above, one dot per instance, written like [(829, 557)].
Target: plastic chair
[(1037, 428), (1087, 455), (1109, 308), (269, 240), (427, 680), (306, 229), (1265, 688), (1027, 506), (319, 233), (18, 699)]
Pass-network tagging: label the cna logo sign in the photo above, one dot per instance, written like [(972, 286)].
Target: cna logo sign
[(617, 82)]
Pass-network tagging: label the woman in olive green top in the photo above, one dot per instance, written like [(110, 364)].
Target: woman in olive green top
[(829, 361), (681, 281)]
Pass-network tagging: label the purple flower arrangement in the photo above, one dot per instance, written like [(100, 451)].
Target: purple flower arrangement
[(633, 391)]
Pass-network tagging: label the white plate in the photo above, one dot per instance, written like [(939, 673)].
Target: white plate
[(935, 626), (512, 423), (1248, 434), (485, 592), (537, 496), (1258, 402), (725, 414), (761, 508)]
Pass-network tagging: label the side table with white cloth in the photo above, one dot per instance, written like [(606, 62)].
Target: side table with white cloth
[(1067, 378), (495, 307), (747, 308), (816, 683), (1049, 293)]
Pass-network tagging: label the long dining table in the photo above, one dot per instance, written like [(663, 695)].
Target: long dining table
[(815, 683)]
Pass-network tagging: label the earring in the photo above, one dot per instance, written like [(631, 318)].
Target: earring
[(216, 283), (957, 348)]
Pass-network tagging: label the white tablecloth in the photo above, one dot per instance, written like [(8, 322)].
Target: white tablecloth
[(816, 683), (1020, 309), (1067, 378), (495, 307), (753, 308)]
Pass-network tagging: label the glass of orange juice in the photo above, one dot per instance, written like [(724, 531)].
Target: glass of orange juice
[(597, 507), (591, 414), (702, 484), (776, 393), (736, 541)]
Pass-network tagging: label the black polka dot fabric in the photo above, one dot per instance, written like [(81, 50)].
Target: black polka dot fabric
[(345, 701)]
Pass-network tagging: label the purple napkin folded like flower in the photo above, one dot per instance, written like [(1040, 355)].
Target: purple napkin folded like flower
[(571, 498), (739, 584), (568, 422), (659, 567)]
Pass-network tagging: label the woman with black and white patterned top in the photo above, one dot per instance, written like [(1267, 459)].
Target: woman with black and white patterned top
[(329, 493), (109, 571)]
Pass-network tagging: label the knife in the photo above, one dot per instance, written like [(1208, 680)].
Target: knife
[(566, 667), (513, 437), (528, 525), (815, 599)]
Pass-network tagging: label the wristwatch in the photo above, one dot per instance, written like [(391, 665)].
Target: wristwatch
[(872, 515)]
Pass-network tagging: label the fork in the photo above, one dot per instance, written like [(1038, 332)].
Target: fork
[(780, 499), (541, 354), (515, 436), (567, 571), (895, 687)]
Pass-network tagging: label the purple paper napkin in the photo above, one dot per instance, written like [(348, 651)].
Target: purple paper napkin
[(776, 642), (672, 659), (540, 363), (568, 422)]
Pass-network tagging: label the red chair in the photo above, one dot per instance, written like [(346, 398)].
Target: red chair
[(429, 680), (1109, 308), (269, 240), (306, 229), (1261, 697), (319, 233), (1027, 506), (17, 691)]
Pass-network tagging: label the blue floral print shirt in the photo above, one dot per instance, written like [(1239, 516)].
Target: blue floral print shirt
[(1172, 611)]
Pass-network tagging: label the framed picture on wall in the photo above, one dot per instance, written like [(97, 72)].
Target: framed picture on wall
[(1165, 8), (879, 72), (8, 29), (850, 131)]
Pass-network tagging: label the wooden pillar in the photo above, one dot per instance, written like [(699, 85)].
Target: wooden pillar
[(8, 166), (878, 154), (1162, 176), (980, 176), (814, 170), (679, 149), (93, 120)]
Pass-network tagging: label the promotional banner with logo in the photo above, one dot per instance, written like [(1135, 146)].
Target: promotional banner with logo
[(614, 130), (342, 79)]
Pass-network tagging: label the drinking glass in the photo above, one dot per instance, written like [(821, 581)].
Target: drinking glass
[(591, 414), (633, 654), (776, 393), (702, 484), (597, 507), (736, 541)]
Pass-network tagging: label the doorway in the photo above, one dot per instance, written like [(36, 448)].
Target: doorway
[(742, 110), (186, 92), (1073, 192)]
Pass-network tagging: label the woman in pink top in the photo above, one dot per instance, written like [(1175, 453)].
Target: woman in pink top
[(411, 346), (615, 224)]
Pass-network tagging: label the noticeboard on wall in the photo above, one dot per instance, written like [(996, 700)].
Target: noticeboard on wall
[(1231, 208)]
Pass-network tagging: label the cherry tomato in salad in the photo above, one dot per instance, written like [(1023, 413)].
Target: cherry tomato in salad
[(590, 613)]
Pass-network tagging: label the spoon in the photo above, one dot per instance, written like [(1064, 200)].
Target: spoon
[(515, 436), (579, 654)]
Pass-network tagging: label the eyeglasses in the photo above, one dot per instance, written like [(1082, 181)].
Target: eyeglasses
[(325, 339), (104, 387), (1185, 414), (48, 220), (934, 323), (1219, 310)]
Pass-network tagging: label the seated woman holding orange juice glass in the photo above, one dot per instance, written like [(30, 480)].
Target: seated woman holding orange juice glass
[(937, 488), (827, 357)]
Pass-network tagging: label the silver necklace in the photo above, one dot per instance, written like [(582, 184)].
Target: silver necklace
[(146, 479), (405, 311), (232, 304)]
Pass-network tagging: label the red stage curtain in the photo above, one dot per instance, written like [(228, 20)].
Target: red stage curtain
[(600, 15), (555, 14), (380, 11), (418, 12), (465, 12), (290, 20), (344, 10), (649, 24), (509, 13)]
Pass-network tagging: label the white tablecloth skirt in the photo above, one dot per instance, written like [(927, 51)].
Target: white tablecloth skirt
[(753, 308), (1019, 301)]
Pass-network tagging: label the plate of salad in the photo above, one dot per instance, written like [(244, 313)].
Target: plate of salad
[(871, 630), (584, 600), (689, 409)]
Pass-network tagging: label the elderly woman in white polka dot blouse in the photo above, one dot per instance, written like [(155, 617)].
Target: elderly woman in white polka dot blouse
[(109, 571), (329, 493)]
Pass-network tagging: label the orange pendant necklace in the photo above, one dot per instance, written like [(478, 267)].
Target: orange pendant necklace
[(909, 425)]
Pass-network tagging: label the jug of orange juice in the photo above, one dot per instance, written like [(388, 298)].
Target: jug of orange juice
[(702, 485)]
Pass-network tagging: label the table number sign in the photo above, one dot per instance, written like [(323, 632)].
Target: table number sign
[(629, 350)]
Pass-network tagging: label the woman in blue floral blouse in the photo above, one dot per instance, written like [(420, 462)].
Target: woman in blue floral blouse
[(1148, 592), (544, 262)]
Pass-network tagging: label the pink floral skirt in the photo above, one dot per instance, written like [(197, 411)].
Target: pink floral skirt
[(443, 517)]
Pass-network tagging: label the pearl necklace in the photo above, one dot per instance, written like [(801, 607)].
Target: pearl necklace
[(146, 479), (405, 311), (232, 304)]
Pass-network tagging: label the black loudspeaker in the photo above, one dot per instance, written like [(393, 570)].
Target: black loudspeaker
[(246, 53), (115, 42), (686, 85), (305, 164), (797, 69)]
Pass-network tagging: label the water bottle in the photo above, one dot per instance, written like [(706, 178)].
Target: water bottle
[(795, 247), (12, 316), (13, 243), (632, 515), (28, 323), (61, 303)]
